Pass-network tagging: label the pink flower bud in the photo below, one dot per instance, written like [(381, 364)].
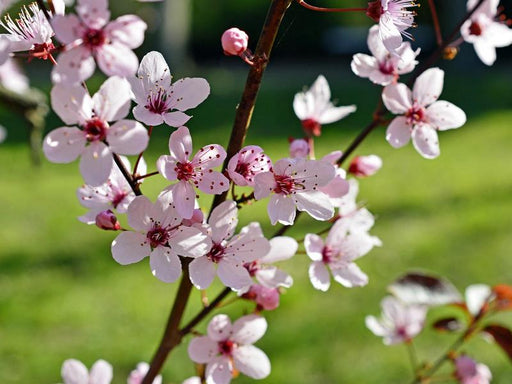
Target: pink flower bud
[(234, 42), (364, 166), (108, 221), (265, 298), (299, 148), (468, 371)]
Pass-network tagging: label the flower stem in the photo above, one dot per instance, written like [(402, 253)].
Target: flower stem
[(126, 173), (321, 9), (435, 20)]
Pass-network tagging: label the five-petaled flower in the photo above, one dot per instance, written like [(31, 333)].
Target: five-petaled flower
[(228, 347), (422, 114)]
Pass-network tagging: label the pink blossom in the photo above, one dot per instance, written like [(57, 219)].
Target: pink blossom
[(246, 164), (228, 254), (157, 97), (393, 18), (265, 298), (75, 372), (468, 371), (115, 193), (314, 108), (138, 374), (234, 41), (399, 323), (294, 184), (383, 68), (159, 235), (197, 172), (228, 347), (486, 31), (364, 166), (107, 220), (336, 255), (90, 37), (299, 148), (281, 248), (422, 114), (96, 139), (338, 187)]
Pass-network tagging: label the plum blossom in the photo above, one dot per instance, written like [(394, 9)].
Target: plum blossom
[(486, 31), (159, 235), (336, 255), (393, 18), (299, 148), (422, 114), (234, 41), (228, 254), (246, 164), (138, 374), (468, 371), (364, 166), (115, 193), (338, 187), (314, 108), (383, 68), (31, 32), (281, 248), (107, 220), (294, 184), (197, 172), (96, 139), (157, 97), (75, 372), (228, 347), (265, 298), (399, 323), (91, 37)]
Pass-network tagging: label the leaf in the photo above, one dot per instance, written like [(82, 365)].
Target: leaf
[(419, 288), (502, 336), (448, 324), (503, 295)]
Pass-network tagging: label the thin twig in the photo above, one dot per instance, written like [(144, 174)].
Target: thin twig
[(322, 9), (435, 20), (126, 173)]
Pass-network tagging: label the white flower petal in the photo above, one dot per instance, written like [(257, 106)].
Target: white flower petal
[(219, 371), (428, 86), (319, 276), (281, 208), (281, 248), (220, 328), (202, 349), (96, 163), (397, 98), (74, 372), (202, 272), (165, 264), (249, 329), (127, 137), (101, 373), (233, 275), (112, 101), (444, 115), (314, 245), (476, 296), (350, 276), (223, 221), (426, 142), (64, 145), (398, 133), (130, 247), (251, 361)]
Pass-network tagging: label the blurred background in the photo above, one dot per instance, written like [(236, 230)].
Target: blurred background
[(62, 295)]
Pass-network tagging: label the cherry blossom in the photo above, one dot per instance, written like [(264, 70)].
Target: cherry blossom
[(468, 371), (422, 114), (159, 235), (338, 187), (31, 32), (314, 108), (299, 148), (197, 172), (265, 298), (234, 41), (336, 255), (75, 372), (107, 220), (364, 166), (393, 18), (383, 68), (228, 347), (90, 37), (96, 139), (399, 323), (281, 248), (115, 193), (246, 164), (294, 184), (157, 97), (138, 374), (486, 31), (228, 254)]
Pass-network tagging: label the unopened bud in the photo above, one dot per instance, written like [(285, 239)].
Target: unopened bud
[(364, 166), (234, 42), (299, 148), (108, 221), (265, 298), (449, 53)]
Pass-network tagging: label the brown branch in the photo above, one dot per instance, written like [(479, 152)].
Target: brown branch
[(322, 9), (127, 175), (435, 20)]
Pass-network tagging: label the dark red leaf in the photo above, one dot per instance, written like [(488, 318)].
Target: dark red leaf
[(448, 324), (502, 336)]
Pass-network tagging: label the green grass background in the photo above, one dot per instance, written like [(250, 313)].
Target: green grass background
[(62, 295)]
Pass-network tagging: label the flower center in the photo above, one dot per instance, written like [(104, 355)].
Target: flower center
[(226, 347), (95, 130), (94, 38), (415, 115), (157, 102), (475, 29), (157, 236), (252, 267), (374, 10), (42, 51), (285, 184), (216, 253), (244, 170), (327, 255), (311, 127), (387, 66), (184, 171)]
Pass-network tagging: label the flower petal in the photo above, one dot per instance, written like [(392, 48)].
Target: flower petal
[(426, 142), (428, 86), (165, 264), (127, 137), (233, 275), (314, 245), (176, 118), (130, 247), (94, 13), (397, 98), (117, 59), (128, 30), (202, 272), (73, 66), (74, 372), (398, 133), (112, 101), (219, 371), (281, 248), (72, 103), (249, 329), (223, 221), (101, 373), (188, 93), (319, 276), (190, 242), (281, 208), (96, 163), (64, 145), (350, 276), (444, 115), (202, 349), (219, 328), (317, 204), (251, 361)]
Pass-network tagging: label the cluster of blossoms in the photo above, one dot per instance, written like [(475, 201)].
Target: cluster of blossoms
[(175, 232)]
